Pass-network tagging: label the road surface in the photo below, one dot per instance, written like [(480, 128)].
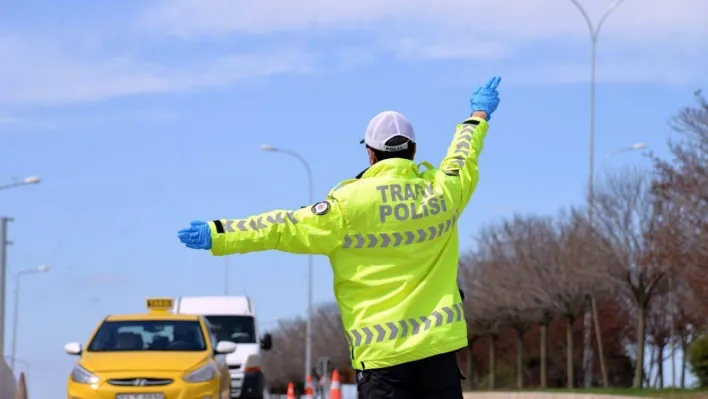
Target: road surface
[(538, 395)]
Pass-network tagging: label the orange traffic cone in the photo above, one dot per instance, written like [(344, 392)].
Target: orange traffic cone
[(308, 387), (291, 391), (335, 391), (21, 388)]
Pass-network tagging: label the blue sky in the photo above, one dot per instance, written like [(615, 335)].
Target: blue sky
[(140, 116)]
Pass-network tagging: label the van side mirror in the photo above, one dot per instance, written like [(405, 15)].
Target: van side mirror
[(267, 342), (225, 347)]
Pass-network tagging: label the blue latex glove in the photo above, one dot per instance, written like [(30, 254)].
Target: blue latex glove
[(486, 97), (196, 236)]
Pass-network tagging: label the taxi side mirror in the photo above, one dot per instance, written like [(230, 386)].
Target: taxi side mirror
[(225, 347), (73, 348), (267, 342)]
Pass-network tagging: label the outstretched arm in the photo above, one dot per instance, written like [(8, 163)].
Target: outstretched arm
[(316, 229)]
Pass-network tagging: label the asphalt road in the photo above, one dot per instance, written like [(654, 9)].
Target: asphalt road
[(539, 395)]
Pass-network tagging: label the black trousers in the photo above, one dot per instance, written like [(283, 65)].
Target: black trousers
[(436, 377)]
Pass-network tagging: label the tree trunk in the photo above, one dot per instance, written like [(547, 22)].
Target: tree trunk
[(519, 358), (544, 354), (587, 345), (684, 347), (641, 335), (569, 321), (470, 363), (598, 338), (492, 361), (660, 365), (652, 362)]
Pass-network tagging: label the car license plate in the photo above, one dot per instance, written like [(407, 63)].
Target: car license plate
[(140, 396)]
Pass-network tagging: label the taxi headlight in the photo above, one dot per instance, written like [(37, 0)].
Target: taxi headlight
[(82, 376), (202, 374)]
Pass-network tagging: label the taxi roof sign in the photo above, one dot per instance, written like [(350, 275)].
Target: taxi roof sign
[(160, 304)]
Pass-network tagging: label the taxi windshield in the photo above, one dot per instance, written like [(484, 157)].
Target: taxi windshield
[(237, 329), (148, 335)]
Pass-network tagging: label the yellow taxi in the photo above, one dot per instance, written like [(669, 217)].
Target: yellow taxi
[(154, 355)]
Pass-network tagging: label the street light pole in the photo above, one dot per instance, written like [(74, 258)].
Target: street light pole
[(594, 32), (308, 329), (593, 304), (4, 242), (40, 269)]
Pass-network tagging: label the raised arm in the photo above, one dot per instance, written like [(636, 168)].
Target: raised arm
[(316, 229), (459, 168), (460, 163)]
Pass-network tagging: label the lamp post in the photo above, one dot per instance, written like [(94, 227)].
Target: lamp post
[(26, 182), (633, 147), (18, 276), (4, 242), (308, 330), (594, 33), (593, 304)]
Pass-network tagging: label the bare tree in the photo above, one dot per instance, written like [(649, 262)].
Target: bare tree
[(283, 363), (575, 272), (482, 310), (624, 209), (500, 245), (681, 185), (477, 327), (329, 336), (659, 331), (531, 240)]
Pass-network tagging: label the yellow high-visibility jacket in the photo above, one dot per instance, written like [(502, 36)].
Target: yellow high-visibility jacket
[(391, 238)]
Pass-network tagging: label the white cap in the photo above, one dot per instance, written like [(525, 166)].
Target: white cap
[(384, 127)]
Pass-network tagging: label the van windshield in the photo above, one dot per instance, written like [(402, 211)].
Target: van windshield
[(237, 329)]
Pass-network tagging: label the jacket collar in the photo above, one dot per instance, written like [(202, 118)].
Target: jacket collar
[(393, 166)]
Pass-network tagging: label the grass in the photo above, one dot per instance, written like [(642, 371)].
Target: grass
[(647, 393)]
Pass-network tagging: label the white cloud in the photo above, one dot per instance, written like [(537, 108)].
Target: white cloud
[(42, 74), (643, 41), (41, 121), (509, 20), (607, 72), (410, 48)]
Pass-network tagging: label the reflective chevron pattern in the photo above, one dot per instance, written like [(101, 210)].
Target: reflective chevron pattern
[(396, 239), (259, 222), (404, 328), (463, 145)]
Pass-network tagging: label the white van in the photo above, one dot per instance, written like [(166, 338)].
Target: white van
[(232, 318)]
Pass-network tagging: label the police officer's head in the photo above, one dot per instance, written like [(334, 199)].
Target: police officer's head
[(389, 135)]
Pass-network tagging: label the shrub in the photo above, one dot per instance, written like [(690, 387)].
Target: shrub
[(698, 359)]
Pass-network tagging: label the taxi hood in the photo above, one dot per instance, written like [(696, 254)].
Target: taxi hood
[(142, 361)]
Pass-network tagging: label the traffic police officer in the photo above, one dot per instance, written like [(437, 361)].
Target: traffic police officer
[(391, 237)]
